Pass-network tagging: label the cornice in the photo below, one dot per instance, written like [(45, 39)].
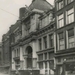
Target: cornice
[(65, 52), (46, 50), (50, 27), (33, 35)]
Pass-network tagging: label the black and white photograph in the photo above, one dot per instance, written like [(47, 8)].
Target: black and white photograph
[(37, 37)]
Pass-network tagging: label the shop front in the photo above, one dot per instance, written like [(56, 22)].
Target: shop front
[(67, 68)]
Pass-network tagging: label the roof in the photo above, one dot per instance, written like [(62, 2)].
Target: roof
[(41, 5), (16, 25), (5, 36), (46, 13)]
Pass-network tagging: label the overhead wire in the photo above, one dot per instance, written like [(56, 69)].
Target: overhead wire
[(9, 12)]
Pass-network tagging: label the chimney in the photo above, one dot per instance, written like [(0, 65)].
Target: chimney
[(21, 12), (33, 0)]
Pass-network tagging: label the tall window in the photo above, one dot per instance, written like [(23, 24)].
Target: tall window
[(71, 42), (51, 64), (45, 65), (45, 41), (40, 57), (70, 16), (51, 55), (61, 41), (15, 53), (45, 55), (51, 40), (40, 44), (60, 4), (18, 52), (60, 21), (0, 57), (41, 65)]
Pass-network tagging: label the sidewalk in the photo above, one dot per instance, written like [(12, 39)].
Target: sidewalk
[(3, 74)]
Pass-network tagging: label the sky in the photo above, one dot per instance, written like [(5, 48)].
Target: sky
[(9, 13)]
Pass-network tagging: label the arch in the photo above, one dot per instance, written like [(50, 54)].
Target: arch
[(28, 49), (29, 52)]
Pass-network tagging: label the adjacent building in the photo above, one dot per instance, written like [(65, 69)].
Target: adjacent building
[(6, 52), (1, 54), (45, 40), (15, 36), (65, 37)]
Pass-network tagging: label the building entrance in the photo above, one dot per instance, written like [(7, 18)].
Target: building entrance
[(29, 57)]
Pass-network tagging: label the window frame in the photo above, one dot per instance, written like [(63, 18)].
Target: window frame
[(60, 20), (69, 1), (60, 4), (40, 43), (60, 39), (69, 37), (45, 42), (71, 14), (51, 40), (40, 65), (40, 57)]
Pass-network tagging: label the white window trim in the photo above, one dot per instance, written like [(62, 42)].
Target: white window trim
[(67, 38), (59, 7), (59, 44), (66, 16), (58, 20)]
